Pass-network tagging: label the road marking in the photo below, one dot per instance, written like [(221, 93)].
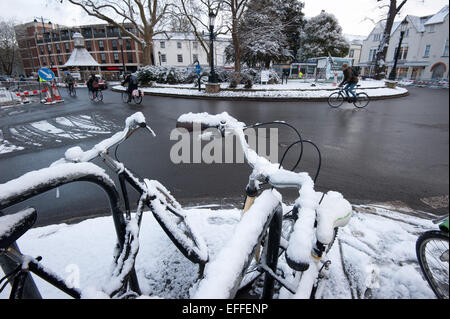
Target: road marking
[(436, 202)]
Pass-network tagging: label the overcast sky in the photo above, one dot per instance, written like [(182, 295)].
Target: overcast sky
[(351, 14)]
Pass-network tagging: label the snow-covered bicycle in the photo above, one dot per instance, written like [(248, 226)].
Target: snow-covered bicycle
[(75, 167), (259, 239)]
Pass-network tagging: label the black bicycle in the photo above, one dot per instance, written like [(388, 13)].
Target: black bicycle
[(96, 95), (75, 167), (433, 255), (336, 99), (71, 90), (136, 98)]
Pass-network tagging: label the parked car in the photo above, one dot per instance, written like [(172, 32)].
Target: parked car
[(4, 78), (102, 83)]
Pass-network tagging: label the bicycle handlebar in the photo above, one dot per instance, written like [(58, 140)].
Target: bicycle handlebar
[(262, 168), (77, 155)]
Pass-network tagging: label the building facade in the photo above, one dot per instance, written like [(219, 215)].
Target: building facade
[(50, 45), (424, 53)]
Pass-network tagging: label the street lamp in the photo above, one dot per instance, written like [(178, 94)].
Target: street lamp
[(212, 21), (403, 27), (121, 50)]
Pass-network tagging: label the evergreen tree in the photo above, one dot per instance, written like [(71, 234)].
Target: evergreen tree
[(261, 32), (293, 21), (322, 35)]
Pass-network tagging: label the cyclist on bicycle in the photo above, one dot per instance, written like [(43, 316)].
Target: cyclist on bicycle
[(92, 85), (350, 81), (70, 81), (132, 82)]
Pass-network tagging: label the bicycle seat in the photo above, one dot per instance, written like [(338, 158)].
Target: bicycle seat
[(12, 227)]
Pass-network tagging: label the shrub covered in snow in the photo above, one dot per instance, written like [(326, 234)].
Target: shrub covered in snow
[(162, 74)]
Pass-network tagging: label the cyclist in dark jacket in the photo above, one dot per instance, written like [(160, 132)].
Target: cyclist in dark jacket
[(132, 84), (350, 80), (92, 85)]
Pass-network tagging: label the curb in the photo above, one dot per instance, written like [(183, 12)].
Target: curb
[(258, 99)]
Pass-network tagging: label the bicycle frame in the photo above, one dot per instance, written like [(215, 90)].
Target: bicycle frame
[(117, 214)]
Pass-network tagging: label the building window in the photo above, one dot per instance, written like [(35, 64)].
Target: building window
[(163, 58), (41, 49), (51, 61), (372, 55), (162, 44), (180, 58), (128, 44), (49, 48), (101, 45), (58, 48), (130, 57), (351, 54), (195, 57), (377, 37), (67, 47), (195, 44), (445, 53), (59, 60), (103, 57), (427, 51), (179, 46), (114, 45), (43, 61), (431, 28), (89, 45), (116, 57), (406, 33)]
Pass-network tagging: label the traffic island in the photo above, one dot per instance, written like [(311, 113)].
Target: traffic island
[(294, 91)]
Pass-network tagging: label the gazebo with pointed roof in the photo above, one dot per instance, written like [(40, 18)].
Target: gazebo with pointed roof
[(80, 57)]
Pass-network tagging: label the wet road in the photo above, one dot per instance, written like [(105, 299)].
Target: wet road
[(395, 150)]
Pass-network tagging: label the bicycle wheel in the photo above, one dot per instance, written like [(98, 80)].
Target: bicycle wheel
[(176, 225), (138, 99), (362, 100), (91, 95), (73, 92), (99, 96), (433, 255), (336, 100), (124, 97)]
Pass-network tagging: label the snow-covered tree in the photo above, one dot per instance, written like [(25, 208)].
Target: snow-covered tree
[(10, 60), (292, 17), (261, 32), (322, 35)]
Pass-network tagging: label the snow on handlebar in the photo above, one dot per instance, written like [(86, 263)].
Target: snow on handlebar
[(77, 155)]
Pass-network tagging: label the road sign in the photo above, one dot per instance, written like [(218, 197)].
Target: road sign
[(198, 69), (46, 74)]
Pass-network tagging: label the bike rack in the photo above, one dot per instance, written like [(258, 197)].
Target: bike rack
[(117, 214)]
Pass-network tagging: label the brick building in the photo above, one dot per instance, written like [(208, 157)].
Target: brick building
[(50, 45)]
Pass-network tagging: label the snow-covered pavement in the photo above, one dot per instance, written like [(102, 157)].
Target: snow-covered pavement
[(374, 256)]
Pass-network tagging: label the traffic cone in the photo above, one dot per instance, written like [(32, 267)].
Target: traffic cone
[(48, 98), (56, 96)]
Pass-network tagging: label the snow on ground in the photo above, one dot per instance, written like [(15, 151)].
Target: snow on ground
[(374, 256), (7, 147), (294, 89)]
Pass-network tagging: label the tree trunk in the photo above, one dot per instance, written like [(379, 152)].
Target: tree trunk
[(380, 59), (148, 52)]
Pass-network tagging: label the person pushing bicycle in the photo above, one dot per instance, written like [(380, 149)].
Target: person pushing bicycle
[(70, 81), (92, 85), (132, 82), (350, 81)]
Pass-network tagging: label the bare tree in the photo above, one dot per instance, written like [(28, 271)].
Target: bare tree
[(147, 16), (393, 11), (196, 12), (9, 49)]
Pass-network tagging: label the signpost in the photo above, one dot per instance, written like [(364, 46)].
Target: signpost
[(265, 75)]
